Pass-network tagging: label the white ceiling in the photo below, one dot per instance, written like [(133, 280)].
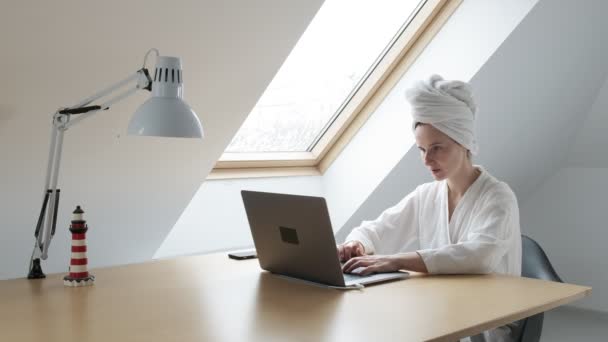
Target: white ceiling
[(133, 190)]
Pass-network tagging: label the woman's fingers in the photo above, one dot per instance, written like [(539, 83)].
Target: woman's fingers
[(359, 248), (347, 251), (370, 264), (355, 263), (368, 270), (350, 250), (354, 250), (348, 265)]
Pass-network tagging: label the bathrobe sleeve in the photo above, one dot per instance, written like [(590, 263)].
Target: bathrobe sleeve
[(487, 241), (392, 230)]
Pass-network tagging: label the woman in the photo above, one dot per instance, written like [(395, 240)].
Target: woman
[(464, 222)]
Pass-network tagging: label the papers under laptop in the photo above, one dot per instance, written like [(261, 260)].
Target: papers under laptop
[(293, 237)]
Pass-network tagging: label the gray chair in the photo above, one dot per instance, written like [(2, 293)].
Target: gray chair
[(535, 264)]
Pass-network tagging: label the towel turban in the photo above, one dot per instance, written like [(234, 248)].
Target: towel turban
[(447, 106)]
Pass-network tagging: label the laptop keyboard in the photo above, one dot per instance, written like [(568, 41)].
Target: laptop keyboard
[(351, 277), (354, 278)]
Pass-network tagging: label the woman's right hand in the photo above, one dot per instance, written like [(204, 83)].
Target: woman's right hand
[(350, 249)]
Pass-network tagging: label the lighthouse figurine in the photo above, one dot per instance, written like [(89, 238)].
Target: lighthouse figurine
[(79, 275)]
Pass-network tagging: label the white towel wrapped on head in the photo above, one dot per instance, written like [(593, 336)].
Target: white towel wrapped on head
[(447, 106)]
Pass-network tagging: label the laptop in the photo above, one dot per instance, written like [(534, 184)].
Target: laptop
[(293, 237)]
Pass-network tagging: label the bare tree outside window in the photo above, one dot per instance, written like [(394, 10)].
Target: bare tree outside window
[(340, 45)]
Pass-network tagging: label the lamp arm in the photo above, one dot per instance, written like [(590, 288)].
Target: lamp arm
[(143, 82), (119, 84), (45, 228)]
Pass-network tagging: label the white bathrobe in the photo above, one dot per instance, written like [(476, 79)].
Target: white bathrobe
[(483, 235)]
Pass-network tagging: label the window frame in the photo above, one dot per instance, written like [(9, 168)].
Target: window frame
[(365, 100)]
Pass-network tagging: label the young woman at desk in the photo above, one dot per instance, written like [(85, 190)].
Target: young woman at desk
[(465, 222)]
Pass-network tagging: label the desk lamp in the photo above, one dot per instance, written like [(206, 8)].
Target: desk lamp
[(164, 114)]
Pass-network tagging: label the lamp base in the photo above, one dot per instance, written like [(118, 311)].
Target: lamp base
[(36, 270)]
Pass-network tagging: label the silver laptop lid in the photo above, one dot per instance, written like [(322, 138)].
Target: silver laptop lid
[(293, 236)]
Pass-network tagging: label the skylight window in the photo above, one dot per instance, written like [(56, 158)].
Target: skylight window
[(333, 57)]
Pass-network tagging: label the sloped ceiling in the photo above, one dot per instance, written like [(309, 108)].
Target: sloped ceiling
[(588, 148), (534, 94), (55, 53)]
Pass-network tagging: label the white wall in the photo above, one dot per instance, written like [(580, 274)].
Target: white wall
[(132, 189), (215, 219), (568, 214), (589, 149)]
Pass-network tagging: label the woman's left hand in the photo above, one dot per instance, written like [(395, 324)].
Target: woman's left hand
[(373, 264)]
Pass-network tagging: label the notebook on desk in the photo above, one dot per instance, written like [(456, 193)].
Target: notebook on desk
[(293, 237)]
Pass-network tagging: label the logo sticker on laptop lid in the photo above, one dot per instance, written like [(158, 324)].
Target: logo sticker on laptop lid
[(289, 235)]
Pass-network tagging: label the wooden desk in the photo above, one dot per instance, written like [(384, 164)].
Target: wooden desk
[(213, 298)]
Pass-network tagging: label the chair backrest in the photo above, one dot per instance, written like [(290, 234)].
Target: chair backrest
[(535, 264)]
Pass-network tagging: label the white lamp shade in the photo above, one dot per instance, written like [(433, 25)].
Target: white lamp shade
[(165, 117), (165, 113)]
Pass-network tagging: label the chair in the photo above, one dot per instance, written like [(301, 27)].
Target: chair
[(535, 264)]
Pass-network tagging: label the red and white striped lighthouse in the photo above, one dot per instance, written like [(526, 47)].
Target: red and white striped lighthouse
[(79, 275)]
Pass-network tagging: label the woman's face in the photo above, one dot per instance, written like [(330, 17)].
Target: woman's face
[(440, 154)]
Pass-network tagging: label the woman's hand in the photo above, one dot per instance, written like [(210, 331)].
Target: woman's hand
[(350, 249), (385, 263), (373, 264)]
